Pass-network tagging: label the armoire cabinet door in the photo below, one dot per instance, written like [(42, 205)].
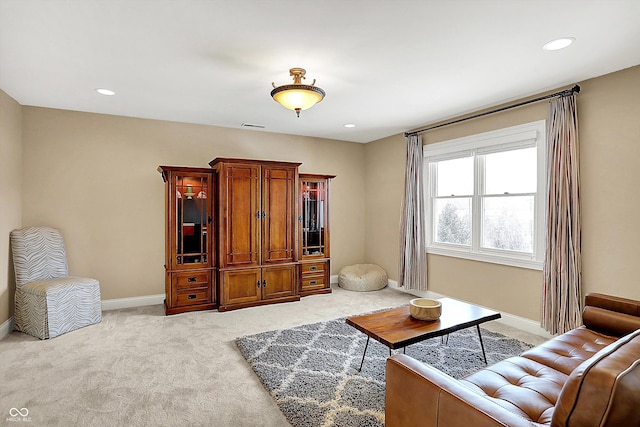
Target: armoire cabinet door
[(278, 281), (278, 217), (241, 286), (240, 215), (190, 220)]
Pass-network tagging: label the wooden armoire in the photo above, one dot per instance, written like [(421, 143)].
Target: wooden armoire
[(314, 234), (190, 276), (244, 233), (257, 217)]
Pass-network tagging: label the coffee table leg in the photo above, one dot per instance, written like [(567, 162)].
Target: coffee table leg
[(364, 354), (481, 344)]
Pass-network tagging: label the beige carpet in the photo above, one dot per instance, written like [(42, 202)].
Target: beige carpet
[(139, 367)]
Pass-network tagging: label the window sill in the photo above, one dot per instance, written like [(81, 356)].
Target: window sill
[(487, 257)]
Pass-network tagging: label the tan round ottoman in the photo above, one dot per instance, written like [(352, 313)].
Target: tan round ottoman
[(362, 278)]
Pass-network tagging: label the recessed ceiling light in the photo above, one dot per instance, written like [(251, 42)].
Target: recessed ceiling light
[(107, 92), (559, 43), (349, 125)]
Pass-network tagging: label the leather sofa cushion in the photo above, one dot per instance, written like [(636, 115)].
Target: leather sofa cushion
[(603, 391), (613, 303), (522, 386), (611, 315), (566, 352)]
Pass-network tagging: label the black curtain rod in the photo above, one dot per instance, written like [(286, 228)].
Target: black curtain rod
[(567, 92)]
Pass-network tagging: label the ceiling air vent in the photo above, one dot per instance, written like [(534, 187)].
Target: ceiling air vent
[(252, 125)]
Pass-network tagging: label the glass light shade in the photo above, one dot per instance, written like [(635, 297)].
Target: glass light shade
[(301, 97), (297, 96)]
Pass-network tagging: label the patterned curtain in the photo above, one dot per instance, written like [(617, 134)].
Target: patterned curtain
[(561, 299), (413, 258)]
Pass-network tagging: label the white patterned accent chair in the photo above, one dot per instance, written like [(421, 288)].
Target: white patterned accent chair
[(48, 301)]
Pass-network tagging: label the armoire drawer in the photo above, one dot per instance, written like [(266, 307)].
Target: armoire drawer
[(313, 281), (191, 280), (313, 268), (193, 296)]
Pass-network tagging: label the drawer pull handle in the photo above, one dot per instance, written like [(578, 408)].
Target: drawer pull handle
[(191, 279), (192, 296), (313, 282), (313, 268)]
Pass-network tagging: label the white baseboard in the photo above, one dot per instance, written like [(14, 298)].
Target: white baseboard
[(6, 327), (508, 319), (333, 279), (114, 304)]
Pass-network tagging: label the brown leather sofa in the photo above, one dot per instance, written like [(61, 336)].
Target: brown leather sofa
[(589, 376)]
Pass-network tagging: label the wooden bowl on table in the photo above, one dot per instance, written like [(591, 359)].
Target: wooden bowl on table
[(425, 308)]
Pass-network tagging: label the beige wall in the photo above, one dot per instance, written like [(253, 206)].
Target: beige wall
[(609, 126), (608, 109), (10, 194), (94, 177)]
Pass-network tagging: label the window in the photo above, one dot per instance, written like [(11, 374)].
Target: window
[(485, 196)]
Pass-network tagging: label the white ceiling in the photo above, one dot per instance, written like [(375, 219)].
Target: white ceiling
[(387, 66)]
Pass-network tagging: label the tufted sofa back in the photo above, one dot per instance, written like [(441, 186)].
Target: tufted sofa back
[(38, 254)]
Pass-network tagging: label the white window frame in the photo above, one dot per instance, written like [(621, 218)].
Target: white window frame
[(521, 136)]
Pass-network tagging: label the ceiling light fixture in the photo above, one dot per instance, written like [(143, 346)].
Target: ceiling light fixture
[(297, 96), (349, 125), (559, 43), (107, 92)]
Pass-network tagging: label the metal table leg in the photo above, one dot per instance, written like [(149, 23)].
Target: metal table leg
[(481, 344), (364, 354)]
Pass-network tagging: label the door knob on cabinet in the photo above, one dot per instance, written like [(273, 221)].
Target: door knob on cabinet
[(264, 214), (258, 283), (264, 283)]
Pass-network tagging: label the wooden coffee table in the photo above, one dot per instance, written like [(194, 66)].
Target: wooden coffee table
[(396, 329)]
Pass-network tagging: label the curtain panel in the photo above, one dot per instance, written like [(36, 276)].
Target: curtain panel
[(412, 271), (562, 272)]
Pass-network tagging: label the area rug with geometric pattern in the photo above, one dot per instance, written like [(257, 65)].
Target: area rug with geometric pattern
[(311, 370)]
